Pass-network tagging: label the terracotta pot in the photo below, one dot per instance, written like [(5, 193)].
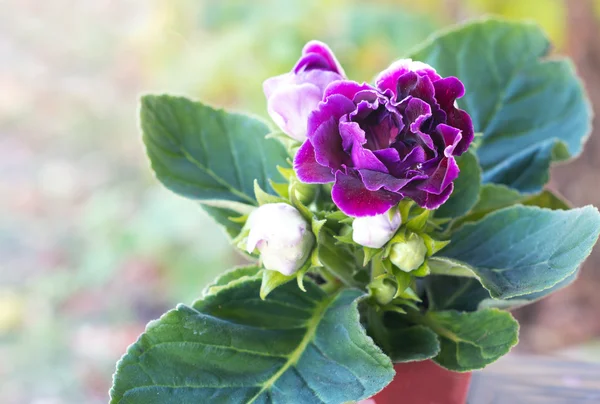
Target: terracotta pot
[(424, 383)]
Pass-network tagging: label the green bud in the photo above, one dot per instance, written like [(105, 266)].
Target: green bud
[(410, 254), (382, 289), (304, 192)]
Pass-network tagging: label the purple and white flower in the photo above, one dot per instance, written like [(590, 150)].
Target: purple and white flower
[(380, 144), (291, 97)]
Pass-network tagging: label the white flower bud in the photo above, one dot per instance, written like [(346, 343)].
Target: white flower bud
[(410, 254), (282, 236), (375, 231)]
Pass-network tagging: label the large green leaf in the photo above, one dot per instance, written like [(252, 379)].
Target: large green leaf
[(531, 110), (493, 197), (467, 294), (522, 249), (472, 340), (466, 188), (233, 347), (454, 293), (404, 341), (208, 154)]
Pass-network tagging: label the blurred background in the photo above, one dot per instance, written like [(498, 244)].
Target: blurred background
[(92, 247)]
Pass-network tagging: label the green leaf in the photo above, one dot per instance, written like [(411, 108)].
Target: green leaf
[(235, 274), (454, 293), (408, 342), (472, 340), (493, 197), (466, 188), (415, 343), (531, 109), (233, 347), (263, 198), (546, 199), (338, 259), (207, 154), (522, 249), (467, 294), (447, 266)]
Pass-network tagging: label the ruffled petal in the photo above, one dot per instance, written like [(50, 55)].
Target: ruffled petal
[(307, 169), (451, 136), (348, 89), (352, 198), (427, 200), (447, 90), (446, 172), (374, 180), (317, 55), (388, 79)]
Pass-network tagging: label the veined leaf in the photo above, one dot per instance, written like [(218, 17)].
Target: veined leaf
[(208, 154), (532, 110), (471, 341), (233, 347), (522, 249)]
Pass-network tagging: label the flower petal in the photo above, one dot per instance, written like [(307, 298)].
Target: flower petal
[(388, 79), (443, 175), (317, 55), (451, 136), (447, 90), (427, 200), (347, 88), (307, 169), (351, 196), (289, 107)]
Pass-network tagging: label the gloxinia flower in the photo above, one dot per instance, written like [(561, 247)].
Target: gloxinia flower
[(385, 143), (291, 97), (281, 235)]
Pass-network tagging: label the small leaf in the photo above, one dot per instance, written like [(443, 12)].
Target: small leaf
[(522, 249), (369, 254), (466, 188), (471, 341), (262, 197), (271, 280), (433, 246), (422, 271), (232, 347), (282, 189), (418, 222), (304, 211), (236, 274), (316, 226)]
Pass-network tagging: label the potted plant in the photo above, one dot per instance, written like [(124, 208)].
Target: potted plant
[(391, 224)]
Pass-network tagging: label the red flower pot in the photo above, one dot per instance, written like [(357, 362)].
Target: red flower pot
[(424, 383)]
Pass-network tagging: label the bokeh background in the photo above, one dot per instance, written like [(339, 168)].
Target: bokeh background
[(92, 247)]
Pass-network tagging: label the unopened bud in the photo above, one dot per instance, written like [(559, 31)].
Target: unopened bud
[(375, 231), (281, 235), (410, 254)]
